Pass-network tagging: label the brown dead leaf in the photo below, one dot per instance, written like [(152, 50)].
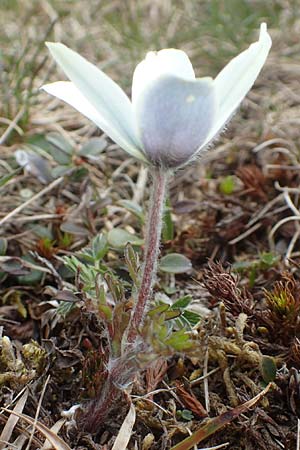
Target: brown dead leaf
[(155, 374), (254, 181), (190, 401)]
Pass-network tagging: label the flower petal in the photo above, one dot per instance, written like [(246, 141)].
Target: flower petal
[(236, 79), (99, 90), (68, 92), (174, 117), (156, 64)]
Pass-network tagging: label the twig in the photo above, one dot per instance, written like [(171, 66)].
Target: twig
[(216, 447), (298, 435), (12, 126), (245, 234), (282, 167), (268, 143), (140, 185), (37, 412), (264, 210), (290, 203), (200, 379), (205, 382), (168, 413), (31, 200), (38, 217), (278, 225), (152, 393)]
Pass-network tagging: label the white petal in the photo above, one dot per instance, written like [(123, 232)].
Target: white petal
[(100, 91), (174, 117), (68, 92), (156, 64), (236, 79)]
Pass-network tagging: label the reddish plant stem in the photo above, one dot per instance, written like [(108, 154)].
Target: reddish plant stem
[(152, 241), (93, 418), (97, 411)]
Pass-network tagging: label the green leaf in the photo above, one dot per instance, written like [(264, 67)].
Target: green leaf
[(187, 316), (133, 207), (252, 277), (65, 308), (132, 262), (99, 247), (168, 226), (72, 263), (185, 414), (158, 310), (3, 246), (58, 147), (179, 341), (182, 302), (172, 314), (175, 263), (268, 259), (42, 231), (101, 295), (241, 266), (118, 238), (268, 368), (115, 286), (6, 178), (78, 174), (72, 228), (106, 312), (32, 278), (93, 147), (265, 260), (58, 141), (191, 317), (59, 171), (227, 185), (13, 265)]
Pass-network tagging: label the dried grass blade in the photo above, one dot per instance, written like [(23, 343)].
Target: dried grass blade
[(215, 447), (125, 430), (56, 442), (12, 421), (37, 412), (55, 429)]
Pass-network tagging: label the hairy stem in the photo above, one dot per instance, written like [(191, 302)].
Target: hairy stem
[(124, 370), (152, 241), (93, 418)]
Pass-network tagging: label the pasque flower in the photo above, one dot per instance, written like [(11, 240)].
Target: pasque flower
[(173, 115)]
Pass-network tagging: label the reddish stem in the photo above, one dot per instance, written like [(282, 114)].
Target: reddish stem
[(93, 418), (97, 411), (152, 241)]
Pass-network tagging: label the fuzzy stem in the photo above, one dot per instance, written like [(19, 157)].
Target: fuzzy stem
[(152, 241), (97, 411)]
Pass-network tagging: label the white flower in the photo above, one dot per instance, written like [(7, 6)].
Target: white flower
[(173, 115)]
